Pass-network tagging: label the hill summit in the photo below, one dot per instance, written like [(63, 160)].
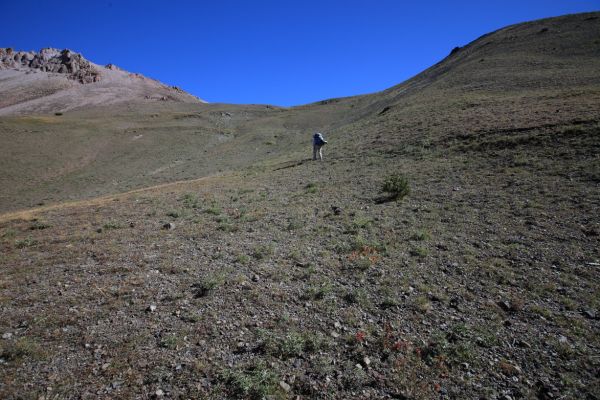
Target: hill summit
[(54, 80)]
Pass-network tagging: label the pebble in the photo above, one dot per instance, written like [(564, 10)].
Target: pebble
[(151, 308), (7, 335), (159, 393), (286, 388), (562, 339), (524, 344), (589, 314)]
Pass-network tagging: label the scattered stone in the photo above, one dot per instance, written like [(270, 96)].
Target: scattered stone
[(7, 335), (159, 393), (336, 210), (505, 305), (337, 325), (366, 361), (589, 314), (562, 339), (168, 226), (286, 388), (255, 278), (151, 308), (335, 335), (454, 303)]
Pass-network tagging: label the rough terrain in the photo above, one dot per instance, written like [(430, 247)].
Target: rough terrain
[(272, 276)]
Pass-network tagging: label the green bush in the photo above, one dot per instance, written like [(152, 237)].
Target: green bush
[(397, 186)]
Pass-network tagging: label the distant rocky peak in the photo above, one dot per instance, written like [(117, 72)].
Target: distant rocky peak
[(51, 60)]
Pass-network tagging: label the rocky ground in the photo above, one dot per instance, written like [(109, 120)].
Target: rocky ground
[(287, 278), (297, 280)]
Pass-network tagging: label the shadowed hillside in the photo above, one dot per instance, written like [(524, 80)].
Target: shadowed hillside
[(252, 272)]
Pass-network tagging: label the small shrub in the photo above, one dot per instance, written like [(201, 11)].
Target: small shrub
[(262, 252), (190, 200), (170, 342), (317, 292), (226, 226), (422, 304), (112, 225), (311, 188), (37, 225), (213, 210), (243, 259), (396, 186), (421, 235), (27, 242), (207, 284), (419, 252), (21, 348), (254, 382), (174, 214), (294, 224)]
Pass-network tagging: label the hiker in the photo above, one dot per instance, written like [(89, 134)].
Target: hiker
[(318, 143)]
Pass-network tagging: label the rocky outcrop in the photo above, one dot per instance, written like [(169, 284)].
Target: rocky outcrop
[(53, 61)]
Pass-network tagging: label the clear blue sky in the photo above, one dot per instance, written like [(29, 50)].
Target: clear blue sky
[(273, 51)]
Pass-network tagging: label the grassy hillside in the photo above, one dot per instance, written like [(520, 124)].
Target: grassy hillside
[(272, 275)]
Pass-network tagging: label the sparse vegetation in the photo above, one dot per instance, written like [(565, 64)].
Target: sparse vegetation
[(396, 186), (289, 278), (27, 242), (112, 225), (255, 382)]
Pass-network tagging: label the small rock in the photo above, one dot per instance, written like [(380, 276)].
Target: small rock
[(7, 335), (255, 278), (151, 308), (286, 388), (337, 325), (563, 339), (159, 393), (366, 361), (168, 226), (505, 305), (589, 314), (335, 335), (336, 210)]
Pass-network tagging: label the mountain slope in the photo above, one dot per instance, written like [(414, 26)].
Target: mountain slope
[(280, 277), (526, 75), (57, 81)]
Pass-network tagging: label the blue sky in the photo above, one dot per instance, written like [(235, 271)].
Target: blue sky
[(268, 52)]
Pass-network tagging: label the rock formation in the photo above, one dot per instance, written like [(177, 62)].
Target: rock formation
[(51, 60)]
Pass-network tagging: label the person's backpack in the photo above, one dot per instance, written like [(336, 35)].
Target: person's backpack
[(318, 139)]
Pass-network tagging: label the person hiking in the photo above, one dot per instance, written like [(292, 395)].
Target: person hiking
[(318, 143)]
